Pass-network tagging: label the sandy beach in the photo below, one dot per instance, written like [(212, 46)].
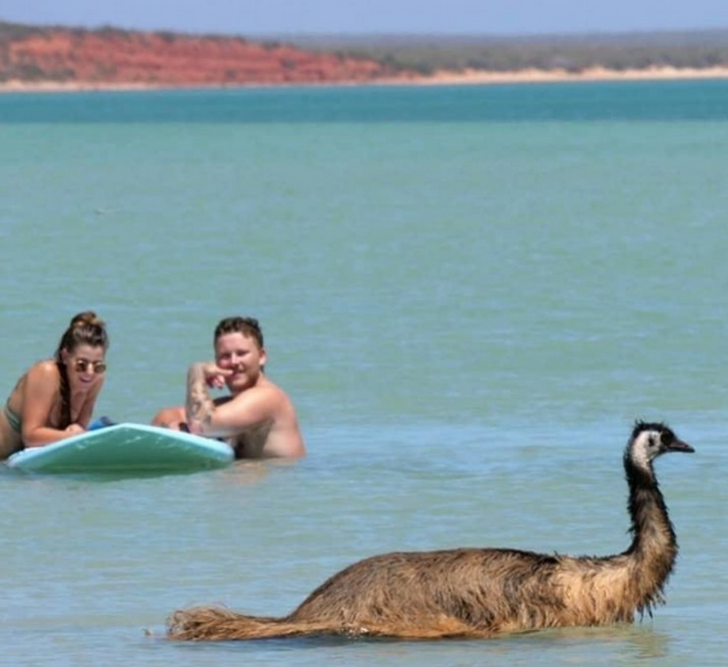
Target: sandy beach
[(465, 77), (479, 77)]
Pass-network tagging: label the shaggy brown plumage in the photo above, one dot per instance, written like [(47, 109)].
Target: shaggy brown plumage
[(482, 592)]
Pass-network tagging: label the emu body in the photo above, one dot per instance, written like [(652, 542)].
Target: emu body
[(481, 592)]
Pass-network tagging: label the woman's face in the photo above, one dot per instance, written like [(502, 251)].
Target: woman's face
[(85, 366)]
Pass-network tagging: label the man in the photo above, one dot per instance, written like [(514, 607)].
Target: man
[(258, 419)]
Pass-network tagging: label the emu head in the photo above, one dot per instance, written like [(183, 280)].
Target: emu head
[(650, 440)]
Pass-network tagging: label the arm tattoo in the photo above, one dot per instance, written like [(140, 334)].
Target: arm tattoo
[(199, 406)]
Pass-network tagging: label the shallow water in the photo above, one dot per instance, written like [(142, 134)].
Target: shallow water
[(470, 295)]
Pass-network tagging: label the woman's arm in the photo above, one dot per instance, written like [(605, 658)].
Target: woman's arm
[(40, 394), (87, 409)]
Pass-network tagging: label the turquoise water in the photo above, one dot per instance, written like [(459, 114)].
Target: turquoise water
[(470, 293)]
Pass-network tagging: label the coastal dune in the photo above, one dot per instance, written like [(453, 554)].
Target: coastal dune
[(68, 59)]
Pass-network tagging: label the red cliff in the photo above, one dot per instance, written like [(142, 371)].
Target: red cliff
[(116, 57)]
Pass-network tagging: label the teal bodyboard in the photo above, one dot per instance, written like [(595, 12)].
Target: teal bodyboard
[(125, 448)]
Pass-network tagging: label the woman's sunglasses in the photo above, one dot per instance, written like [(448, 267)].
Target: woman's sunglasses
[(83, 366)]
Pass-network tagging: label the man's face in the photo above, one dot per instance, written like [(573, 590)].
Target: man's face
[(240, 354)]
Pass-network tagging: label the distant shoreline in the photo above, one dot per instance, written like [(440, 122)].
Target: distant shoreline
[(466, 77), (593, 74)]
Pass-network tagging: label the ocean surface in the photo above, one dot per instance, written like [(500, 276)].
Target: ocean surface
[(470, 293)]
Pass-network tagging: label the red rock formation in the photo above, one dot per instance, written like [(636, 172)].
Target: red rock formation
[(115, 57)]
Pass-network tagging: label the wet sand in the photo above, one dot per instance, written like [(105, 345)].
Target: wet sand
[(465, 77)]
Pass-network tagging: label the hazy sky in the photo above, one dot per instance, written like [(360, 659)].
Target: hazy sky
[(497, 17)]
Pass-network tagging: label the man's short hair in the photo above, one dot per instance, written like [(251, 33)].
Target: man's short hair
[(248, 326)]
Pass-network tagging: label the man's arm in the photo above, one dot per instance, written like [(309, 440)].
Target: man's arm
[(199, 405), (230, 415)]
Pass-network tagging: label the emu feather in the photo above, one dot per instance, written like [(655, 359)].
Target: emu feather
[(482, 592)]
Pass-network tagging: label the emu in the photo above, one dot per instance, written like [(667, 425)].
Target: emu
[(473, 592)]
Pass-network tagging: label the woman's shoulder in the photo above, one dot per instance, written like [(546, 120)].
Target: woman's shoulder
[(43, 370)]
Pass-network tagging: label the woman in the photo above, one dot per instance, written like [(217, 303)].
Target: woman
[(55, 398)]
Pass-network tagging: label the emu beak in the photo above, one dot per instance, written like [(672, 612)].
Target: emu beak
[(679, 446)]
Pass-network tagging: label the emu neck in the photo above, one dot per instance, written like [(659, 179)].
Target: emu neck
[(654, 545)]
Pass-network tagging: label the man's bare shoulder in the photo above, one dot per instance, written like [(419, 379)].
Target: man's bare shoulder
[(265, 389), (266, 400)]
